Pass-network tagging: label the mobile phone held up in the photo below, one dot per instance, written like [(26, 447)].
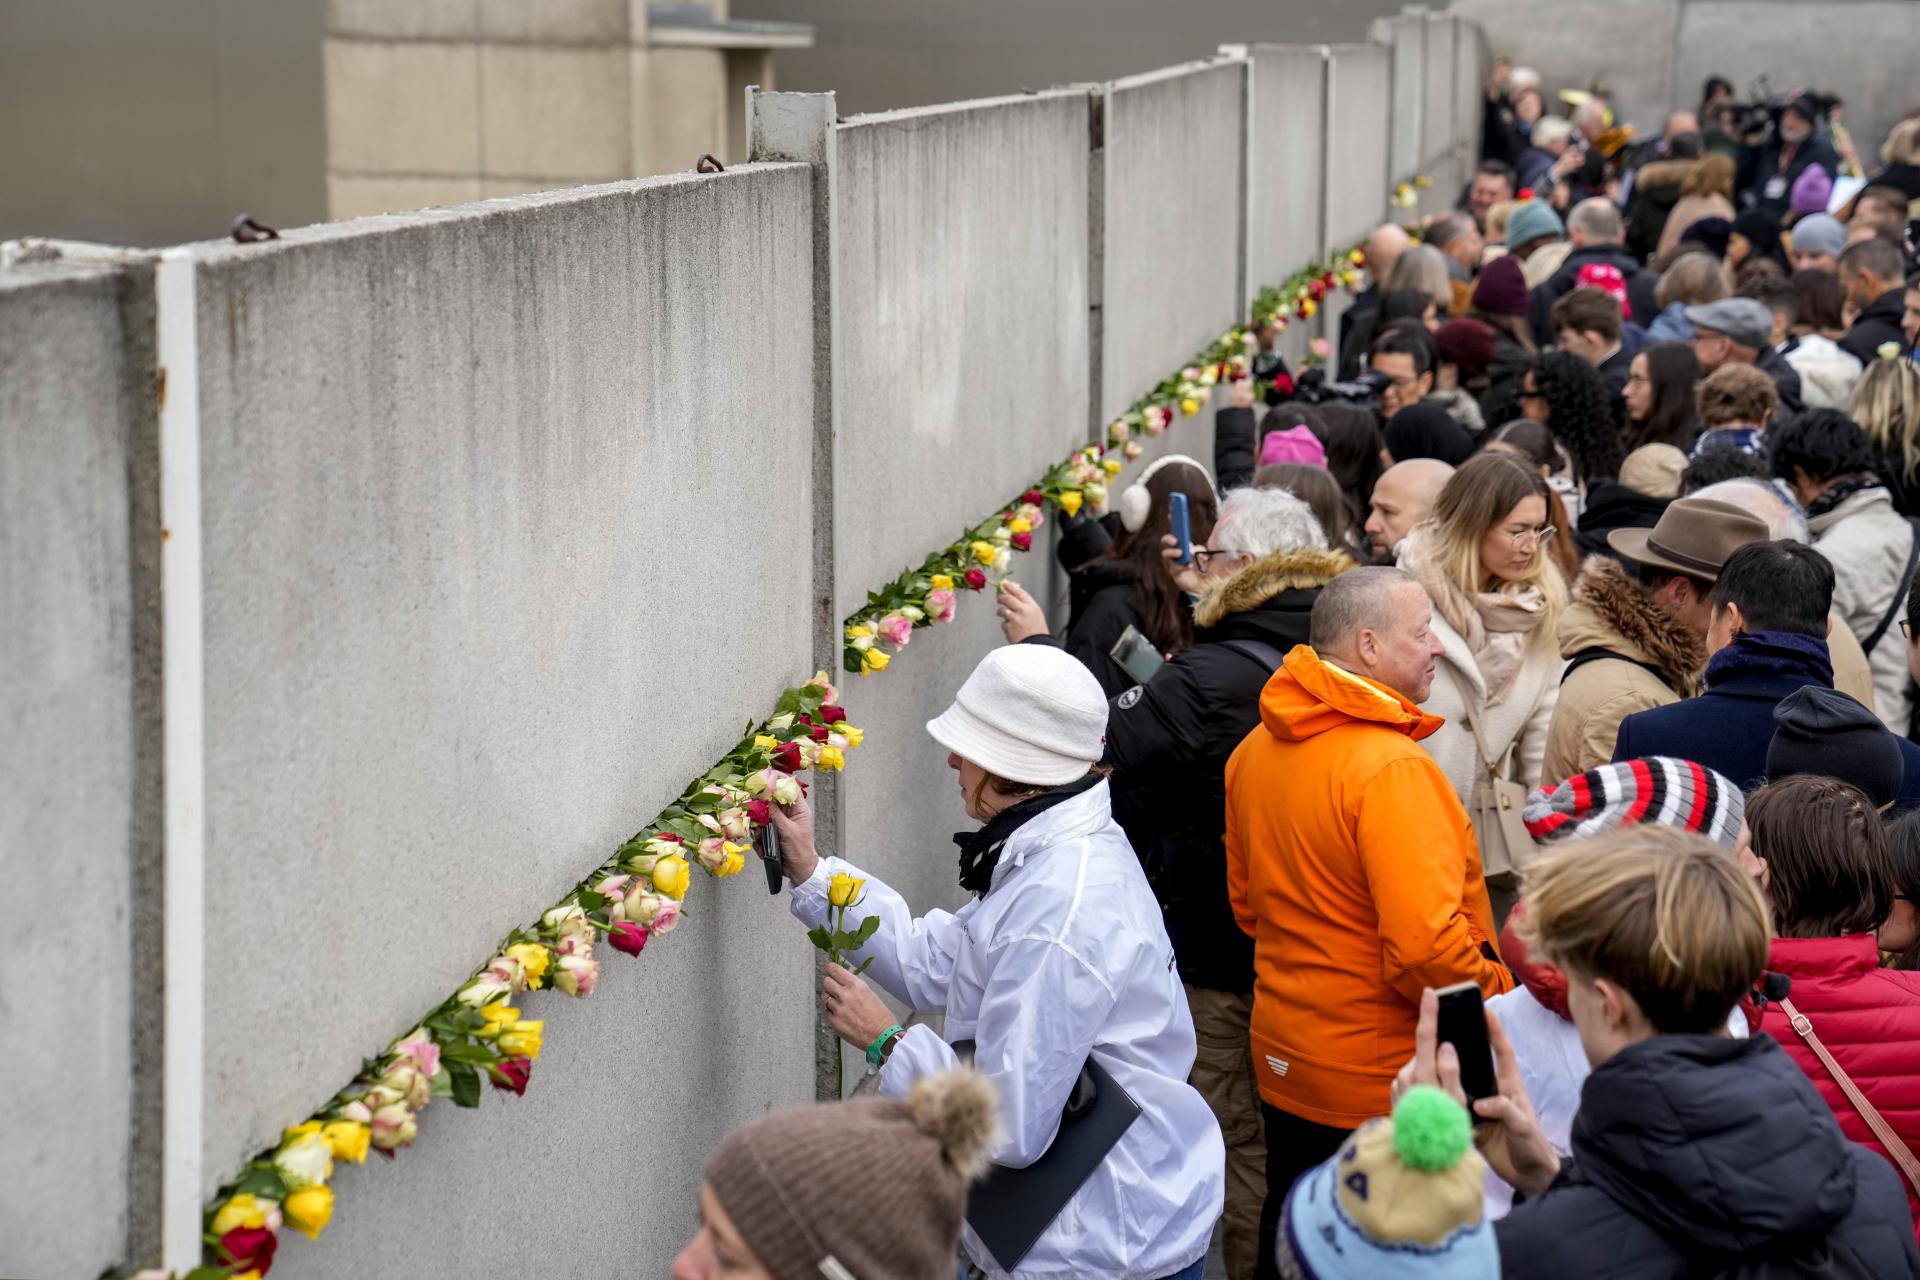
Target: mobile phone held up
[(1463, 1024), (1178, 526), (766, 843)]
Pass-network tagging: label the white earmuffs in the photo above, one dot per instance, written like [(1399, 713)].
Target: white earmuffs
[(1135, 502)]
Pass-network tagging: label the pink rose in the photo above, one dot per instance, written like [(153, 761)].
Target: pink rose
[(357, 1111), (667, 917), (896, 630), (940, 605), (577, 975), (394, 1127), (628, 937), (425, 1053), (734, 824), (713, 853)]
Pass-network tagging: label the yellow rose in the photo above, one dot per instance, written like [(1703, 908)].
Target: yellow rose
[(940, 582), (348, 1138), (1112, 466), (983, 552), (1189, 407), (853, 736), (859, 631), (1069, 501), (498, 1015), (830, 757), (873, 660), (736, 858), (1019, 524), (247, 1275), (534, 958), (299, 1131), (765, 742), (670, 876), (844, 890), (1356, 256), (309, 1210), (522, 1040), (242, 1210)]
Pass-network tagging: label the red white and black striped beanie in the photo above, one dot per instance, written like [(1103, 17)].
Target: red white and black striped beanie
[(1659, 790)]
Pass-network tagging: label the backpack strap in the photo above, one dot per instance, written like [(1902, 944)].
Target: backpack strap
[(1260, 651), (1896, 1150), (1600, 653), (1900, 596)]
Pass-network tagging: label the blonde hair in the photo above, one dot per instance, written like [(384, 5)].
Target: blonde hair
[(1886, 402), (1475, 499), (1497, 215), (1903, 142), (1423, 267), (1711, 176), (1666, 914)]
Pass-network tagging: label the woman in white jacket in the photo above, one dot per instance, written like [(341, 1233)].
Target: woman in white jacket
[(1497, 598), (1060, 957)]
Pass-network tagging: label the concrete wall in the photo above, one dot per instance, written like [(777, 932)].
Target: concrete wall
[(76, 702), (1359, 91), (1285, 158), (1406, 37), (442, 591), (1174, 163)]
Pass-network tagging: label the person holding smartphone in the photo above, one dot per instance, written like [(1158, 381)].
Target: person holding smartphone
[(1059, 959), (1693, 1153)]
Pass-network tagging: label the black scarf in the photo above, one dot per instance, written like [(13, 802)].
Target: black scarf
[(980, 850), (1842, 491)]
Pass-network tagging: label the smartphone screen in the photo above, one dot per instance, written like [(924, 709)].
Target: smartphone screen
[(1136, 655), (766, 843), (1463, 1024), (1177, 524)]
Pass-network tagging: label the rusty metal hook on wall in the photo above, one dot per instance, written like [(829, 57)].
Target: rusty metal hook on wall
[(707, 164)]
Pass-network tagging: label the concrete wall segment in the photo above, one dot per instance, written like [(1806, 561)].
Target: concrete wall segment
[(471, 478), (1286, 161), (1359, 88)]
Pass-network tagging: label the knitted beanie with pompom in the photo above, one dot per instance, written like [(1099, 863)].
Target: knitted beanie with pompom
[(870, 1190)]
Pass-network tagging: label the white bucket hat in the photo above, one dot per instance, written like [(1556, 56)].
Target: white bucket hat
[(1029, 713)]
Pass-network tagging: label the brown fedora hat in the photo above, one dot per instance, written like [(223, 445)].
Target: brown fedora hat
[(1695, 536)]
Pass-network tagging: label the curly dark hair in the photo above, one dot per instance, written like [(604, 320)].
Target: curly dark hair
[(1581, 414)]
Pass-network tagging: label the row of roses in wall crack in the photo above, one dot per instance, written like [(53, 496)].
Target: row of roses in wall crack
[(478, 1038)]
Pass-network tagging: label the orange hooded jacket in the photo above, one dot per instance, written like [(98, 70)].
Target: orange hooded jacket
[(1353, 865)]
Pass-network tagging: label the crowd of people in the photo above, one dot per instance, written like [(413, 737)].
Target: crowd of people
[(1557, 656)]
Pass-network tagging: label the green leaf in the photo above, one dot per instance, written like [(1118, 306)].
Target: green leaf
[(262, 1180), (590, 900), (467, 1051), (866, 930), (819, 937), (466, 1084), (863, 966)]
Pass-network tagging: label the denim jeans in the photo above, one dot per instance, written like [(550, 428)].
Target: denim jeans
[(1197, 1271)]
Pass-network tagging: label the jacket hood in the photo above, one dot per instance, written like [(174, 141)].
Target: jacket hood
[(1664, 173), (1263, 580), (1611, 505), (1721, 1145), (1827, 374), (1612, 611), (1544, 982), (1307, 697)]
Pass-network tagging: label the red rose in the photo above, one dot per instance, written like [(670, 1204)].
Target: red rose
[(1283, 383), (803, 718), (976, 578), (819, 732), (625, 936), (511, 1074), (786, 758), (759, 812), (830, 714), (1033, 496), (668, 836), (1317, 290), (1022, 542), (249, 1248)]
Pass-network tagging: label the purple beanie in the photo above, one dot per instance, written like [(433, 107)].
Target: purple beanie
[(1502, 290), (1811, 190), (1295, 444)]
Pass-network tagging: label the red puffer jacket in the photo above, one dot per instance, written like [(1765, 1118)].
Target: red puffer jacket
[(1869, 1020)]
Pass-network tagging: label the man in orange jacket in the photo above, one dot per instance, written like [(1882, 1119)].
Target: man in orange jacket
[(1353, 865)]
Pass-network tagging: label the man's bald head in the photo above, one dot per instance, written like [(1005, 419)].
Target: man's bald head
[(1681, 122), (1384, 248), (1402, 498), (1376, 622)]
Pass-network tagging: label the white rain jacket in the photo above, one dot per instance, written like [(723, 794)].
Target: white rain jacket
[(1065, 957)]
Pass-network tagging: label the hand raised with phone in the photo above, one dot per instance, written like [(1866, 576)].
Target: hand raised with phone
[(1510, 1138), (794, 823)]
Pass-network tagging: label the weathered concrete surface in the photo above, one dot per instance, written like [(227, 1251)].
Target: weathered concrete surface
[(80, 781), (1439, 158), (500, 549), (959, 320), (1358, 102), (1174, 159), (1406, 36), (1288, 139)]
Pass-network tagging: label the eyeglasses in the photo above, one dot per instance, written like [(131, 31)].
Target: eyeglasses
[(1203, 556), (1531, 395), (1532, 539)]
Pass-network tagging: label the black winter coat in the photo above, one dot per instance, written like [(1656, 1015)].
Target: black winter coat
[(1103, 601), (1168, 742), (1706, 1156), (1759, 166), (1642, 287), (1878, 323), (1786, 380), (1611, 505), (1236, 447)]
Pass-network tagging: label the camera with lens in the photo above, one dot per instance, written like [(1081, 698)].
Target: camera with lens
[(1312, 387)]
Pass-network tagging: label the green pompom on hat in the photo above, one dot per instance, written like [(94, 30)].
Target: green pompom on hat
[(1430, 1130)]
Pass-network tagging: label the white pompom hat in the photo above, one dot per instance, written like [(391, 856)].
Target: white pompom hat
[(1029, 713)]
